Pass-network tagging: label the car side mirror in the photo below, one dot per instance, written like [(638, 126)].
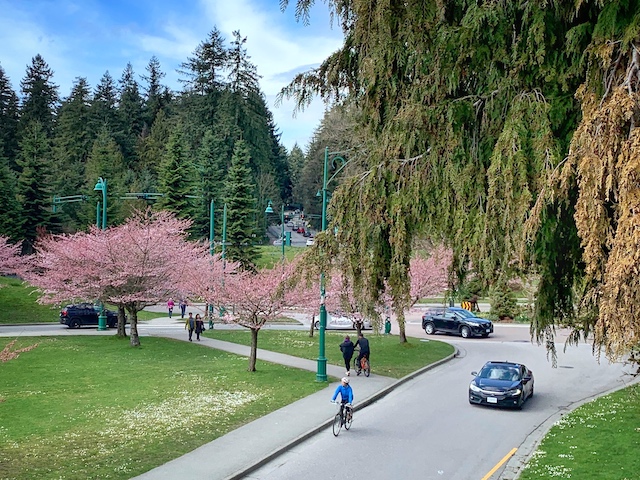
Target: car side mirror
[(475, 374)]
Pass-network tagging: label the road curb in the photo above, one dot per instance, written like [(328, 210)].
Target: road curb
[(242, 473)]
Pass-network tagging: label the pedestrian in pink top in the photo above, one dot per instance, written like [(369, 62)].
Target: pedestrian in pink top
[(170, 306)]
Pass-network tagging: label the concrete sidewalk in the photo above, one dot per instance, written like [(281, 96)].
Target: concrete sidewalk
[(247, 448)]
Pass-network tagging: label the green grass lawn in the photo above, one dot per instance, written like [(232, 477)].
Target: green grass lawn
[(18, 304), (388, 356), (93, 407), (599, 440)]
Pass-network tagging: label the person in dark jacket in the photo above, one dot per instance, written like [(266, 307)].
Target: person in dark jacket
[(199, 326), (346, 348), (363, 343)]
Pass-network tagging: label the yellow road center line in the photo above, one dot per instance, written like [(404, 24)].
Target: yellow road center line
[(499, 464)]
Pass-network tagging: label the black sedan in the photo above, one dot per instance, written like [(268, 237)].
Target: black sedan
[(502, 384), (455, 320), (80, 314)]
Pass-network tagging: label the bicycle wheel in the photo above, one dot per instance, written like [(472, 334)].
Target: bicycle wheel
[(348, 418), (337, 424), (365, 367)]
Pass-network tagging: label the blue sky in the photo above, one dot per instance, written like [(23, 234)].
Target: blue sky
[(85, 38)]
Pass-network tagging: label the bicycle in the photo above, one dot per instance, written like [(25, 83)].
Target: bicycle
[(343, 417), (363, 367)]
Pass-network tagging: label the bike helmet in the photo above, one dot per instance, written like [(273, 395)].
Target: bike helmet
[(345, 380)]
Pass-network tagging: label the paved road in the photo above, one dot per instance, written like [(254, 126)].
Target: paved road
[(426, 428)]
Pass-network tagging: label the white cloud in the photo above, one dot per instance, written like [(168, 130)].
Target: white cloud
[(88, 37)]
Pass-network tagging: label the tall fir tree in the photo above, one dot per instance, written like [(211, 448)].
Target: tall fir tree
[(157, 96), (34, 193), (104, 114), (39, 96), (130, 115), (206, 70), (295, 161), (72, 143), (241, 209), (151, 150), (9, 206), (8, 120), (176, 177), (212, 162)]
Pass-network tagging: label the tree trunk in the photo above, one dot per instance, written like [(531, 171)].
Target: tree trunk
[(254, 350), (312, 328), (135, 340), (122, 317), (358, 325), (401, 325)]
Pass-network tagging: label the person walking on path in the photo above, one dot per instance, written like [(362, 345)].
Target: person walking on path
[(170, 306), (363, 343), (346, 348), (183, 307), (199, 326), (190, 325)]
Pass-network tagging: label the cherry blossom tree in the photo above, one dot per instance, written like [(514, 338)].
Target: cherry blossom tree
[(249, 299), (428, 276), (134, 265), (11, 261)]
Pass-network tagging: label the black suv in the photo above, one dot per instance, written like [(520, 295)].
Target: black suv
[(75, 316), (455, 320)]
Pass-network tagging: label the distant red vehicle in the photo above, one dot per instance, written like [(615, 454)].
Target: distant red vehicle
[(300, 230)]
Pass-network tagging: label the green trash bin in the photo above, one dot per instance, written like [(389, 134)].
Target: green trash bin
[(387, 326)]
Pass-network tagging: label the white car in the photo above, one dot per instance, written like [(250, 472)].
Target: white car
[(309, 242), (341, 322)]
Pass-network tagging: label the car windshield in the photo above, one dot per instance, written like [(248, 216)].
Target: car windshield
[(500, 372), (465, 313)]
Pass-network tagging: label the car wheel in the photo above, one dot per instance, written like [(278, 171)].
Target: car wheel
[(112, 323), (75, 323), (531, 394), (429, 328), (465, 332), (316, 325)]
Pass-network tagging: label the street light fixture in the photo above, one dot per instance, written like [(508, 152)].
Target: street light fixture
[(102, 185), (269, 209), (321, 373)]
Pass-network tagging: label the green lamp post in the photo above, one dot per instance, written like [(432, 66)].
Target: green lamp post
[(321, 372), (269, 209), (102, 186)]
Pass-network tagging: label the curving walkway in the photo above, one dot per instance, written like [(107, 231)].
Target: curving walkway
[(245, 449)]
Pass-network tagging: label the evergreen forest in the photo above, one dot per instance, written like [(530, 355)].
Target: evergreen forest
[(190, 152)]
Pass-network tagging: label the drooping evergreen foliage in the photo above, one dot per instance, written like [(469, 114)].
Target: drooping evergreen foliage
[(470, 109)]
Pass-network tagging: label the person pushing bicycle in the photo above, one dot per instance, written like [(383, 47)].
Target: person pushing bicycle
[(363, 343)]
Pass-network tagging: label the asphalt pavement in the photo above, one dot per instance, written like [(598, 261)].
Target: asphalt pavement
[(236, 454)]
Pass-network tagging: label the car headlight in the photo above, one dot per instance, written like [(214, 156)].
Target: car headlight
[(474, 388), (473, 324), (514, 393)]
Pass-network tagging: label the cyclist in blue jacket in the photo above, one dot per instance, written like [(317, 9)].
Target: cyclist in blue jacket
[(345, 391)]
